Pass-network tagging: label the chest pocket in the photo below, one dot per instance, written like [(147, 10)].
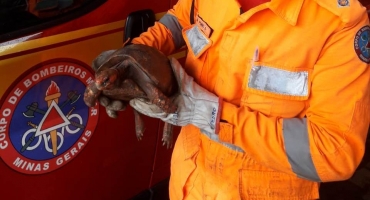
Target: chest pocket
[(276, 90), (196, 40)]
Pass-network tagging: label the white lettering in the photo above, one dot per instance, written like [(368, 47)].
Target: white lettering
[(53, 69), (44, 72), (87, 133), (3, 142), (30, 166), (12, 100), (70, 69), (59, 161), (67, 156), (38, 167), (77, 71), (46, 166), (18, 92), (35, 77), (80, 144), (60, 68), (89, 80), (18, 162), (27, 83), (74, 151), (356, 41), (3, 121), (83, 74), (6, 112), (24, 164), (94, 111), (2, 129)]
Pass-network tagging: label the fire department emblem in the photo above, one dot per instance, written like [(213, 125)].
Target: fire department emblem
[(362, 44), (44, 122)]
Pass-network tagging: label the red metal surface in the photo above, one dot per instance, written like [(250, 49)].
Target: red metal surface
[(161, 165), (113, 164)]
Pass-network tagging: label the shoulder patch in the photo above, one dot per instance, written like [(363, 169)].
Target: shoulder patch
[(361, 44)]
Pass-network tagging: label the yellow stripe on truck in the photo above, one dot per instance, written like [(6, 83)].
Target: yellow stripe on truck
[(67, 36)]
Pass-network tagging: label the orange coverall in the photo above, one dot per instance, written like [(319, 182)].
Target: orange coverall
[(294, 78)]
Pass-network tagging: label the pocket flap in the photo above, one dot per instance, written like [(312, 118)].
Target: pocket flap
[(280, 83), (195, 39)]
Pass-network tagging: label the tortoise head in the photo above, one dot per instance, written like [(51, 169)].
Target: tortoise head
[(105, 79), (109, 71)]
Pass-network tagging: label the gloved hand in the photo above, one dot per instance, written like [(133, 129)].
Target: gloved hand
[(196, 105)]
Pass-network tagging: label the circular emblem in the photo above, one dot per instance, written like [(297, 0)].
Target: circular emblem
[(362, 46), (44, 122)]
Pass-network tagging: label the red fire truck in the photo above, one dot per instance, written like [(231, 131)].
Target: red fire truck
[(46, 49), (52, 146)]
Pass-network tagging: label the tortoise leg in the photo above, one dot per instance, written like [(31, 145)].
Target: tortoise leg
[(154, 94), (139, 125), (167, 137)]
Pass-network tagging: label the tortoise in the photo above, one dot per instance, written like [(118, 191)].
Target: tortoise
[(134, 71)]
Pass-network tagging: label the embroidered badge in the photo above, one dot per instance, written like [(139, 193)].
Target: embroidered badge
[(343, 3), (203, 26), (361, 44)]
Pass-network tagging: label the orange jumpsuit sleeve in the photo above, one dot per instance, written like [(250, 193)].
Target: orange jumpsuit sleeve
[(328, 142), (166, 34)]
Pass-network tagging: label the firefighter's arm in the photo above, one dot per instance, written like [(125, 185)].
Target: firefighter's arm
[(166, 34), (329, 142)]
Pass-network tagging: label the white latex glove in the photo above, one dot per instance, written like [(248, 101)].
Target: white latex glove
[(196, 105)]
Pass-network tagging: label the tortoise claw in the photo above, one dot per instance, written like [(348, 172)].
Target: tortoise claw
[(139, 125), (167, 143), (167, 135), (111, 113), (139, 136)]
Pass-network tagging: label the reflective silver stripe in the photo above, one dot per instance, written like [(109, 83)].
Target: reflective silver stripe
[(278, 81), (215, 138), (196, 39), (298, 149), (174, 26)]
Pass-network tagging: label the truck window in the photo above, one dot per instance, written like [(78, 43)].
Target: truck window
[(20, 17)]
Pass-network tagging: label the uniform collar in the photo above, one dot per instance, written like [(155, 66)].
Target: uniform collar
[(287, 10)]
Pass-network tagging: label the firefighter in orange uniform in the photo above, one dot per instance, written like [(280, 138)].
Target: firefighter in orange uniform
[(274, 96)]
